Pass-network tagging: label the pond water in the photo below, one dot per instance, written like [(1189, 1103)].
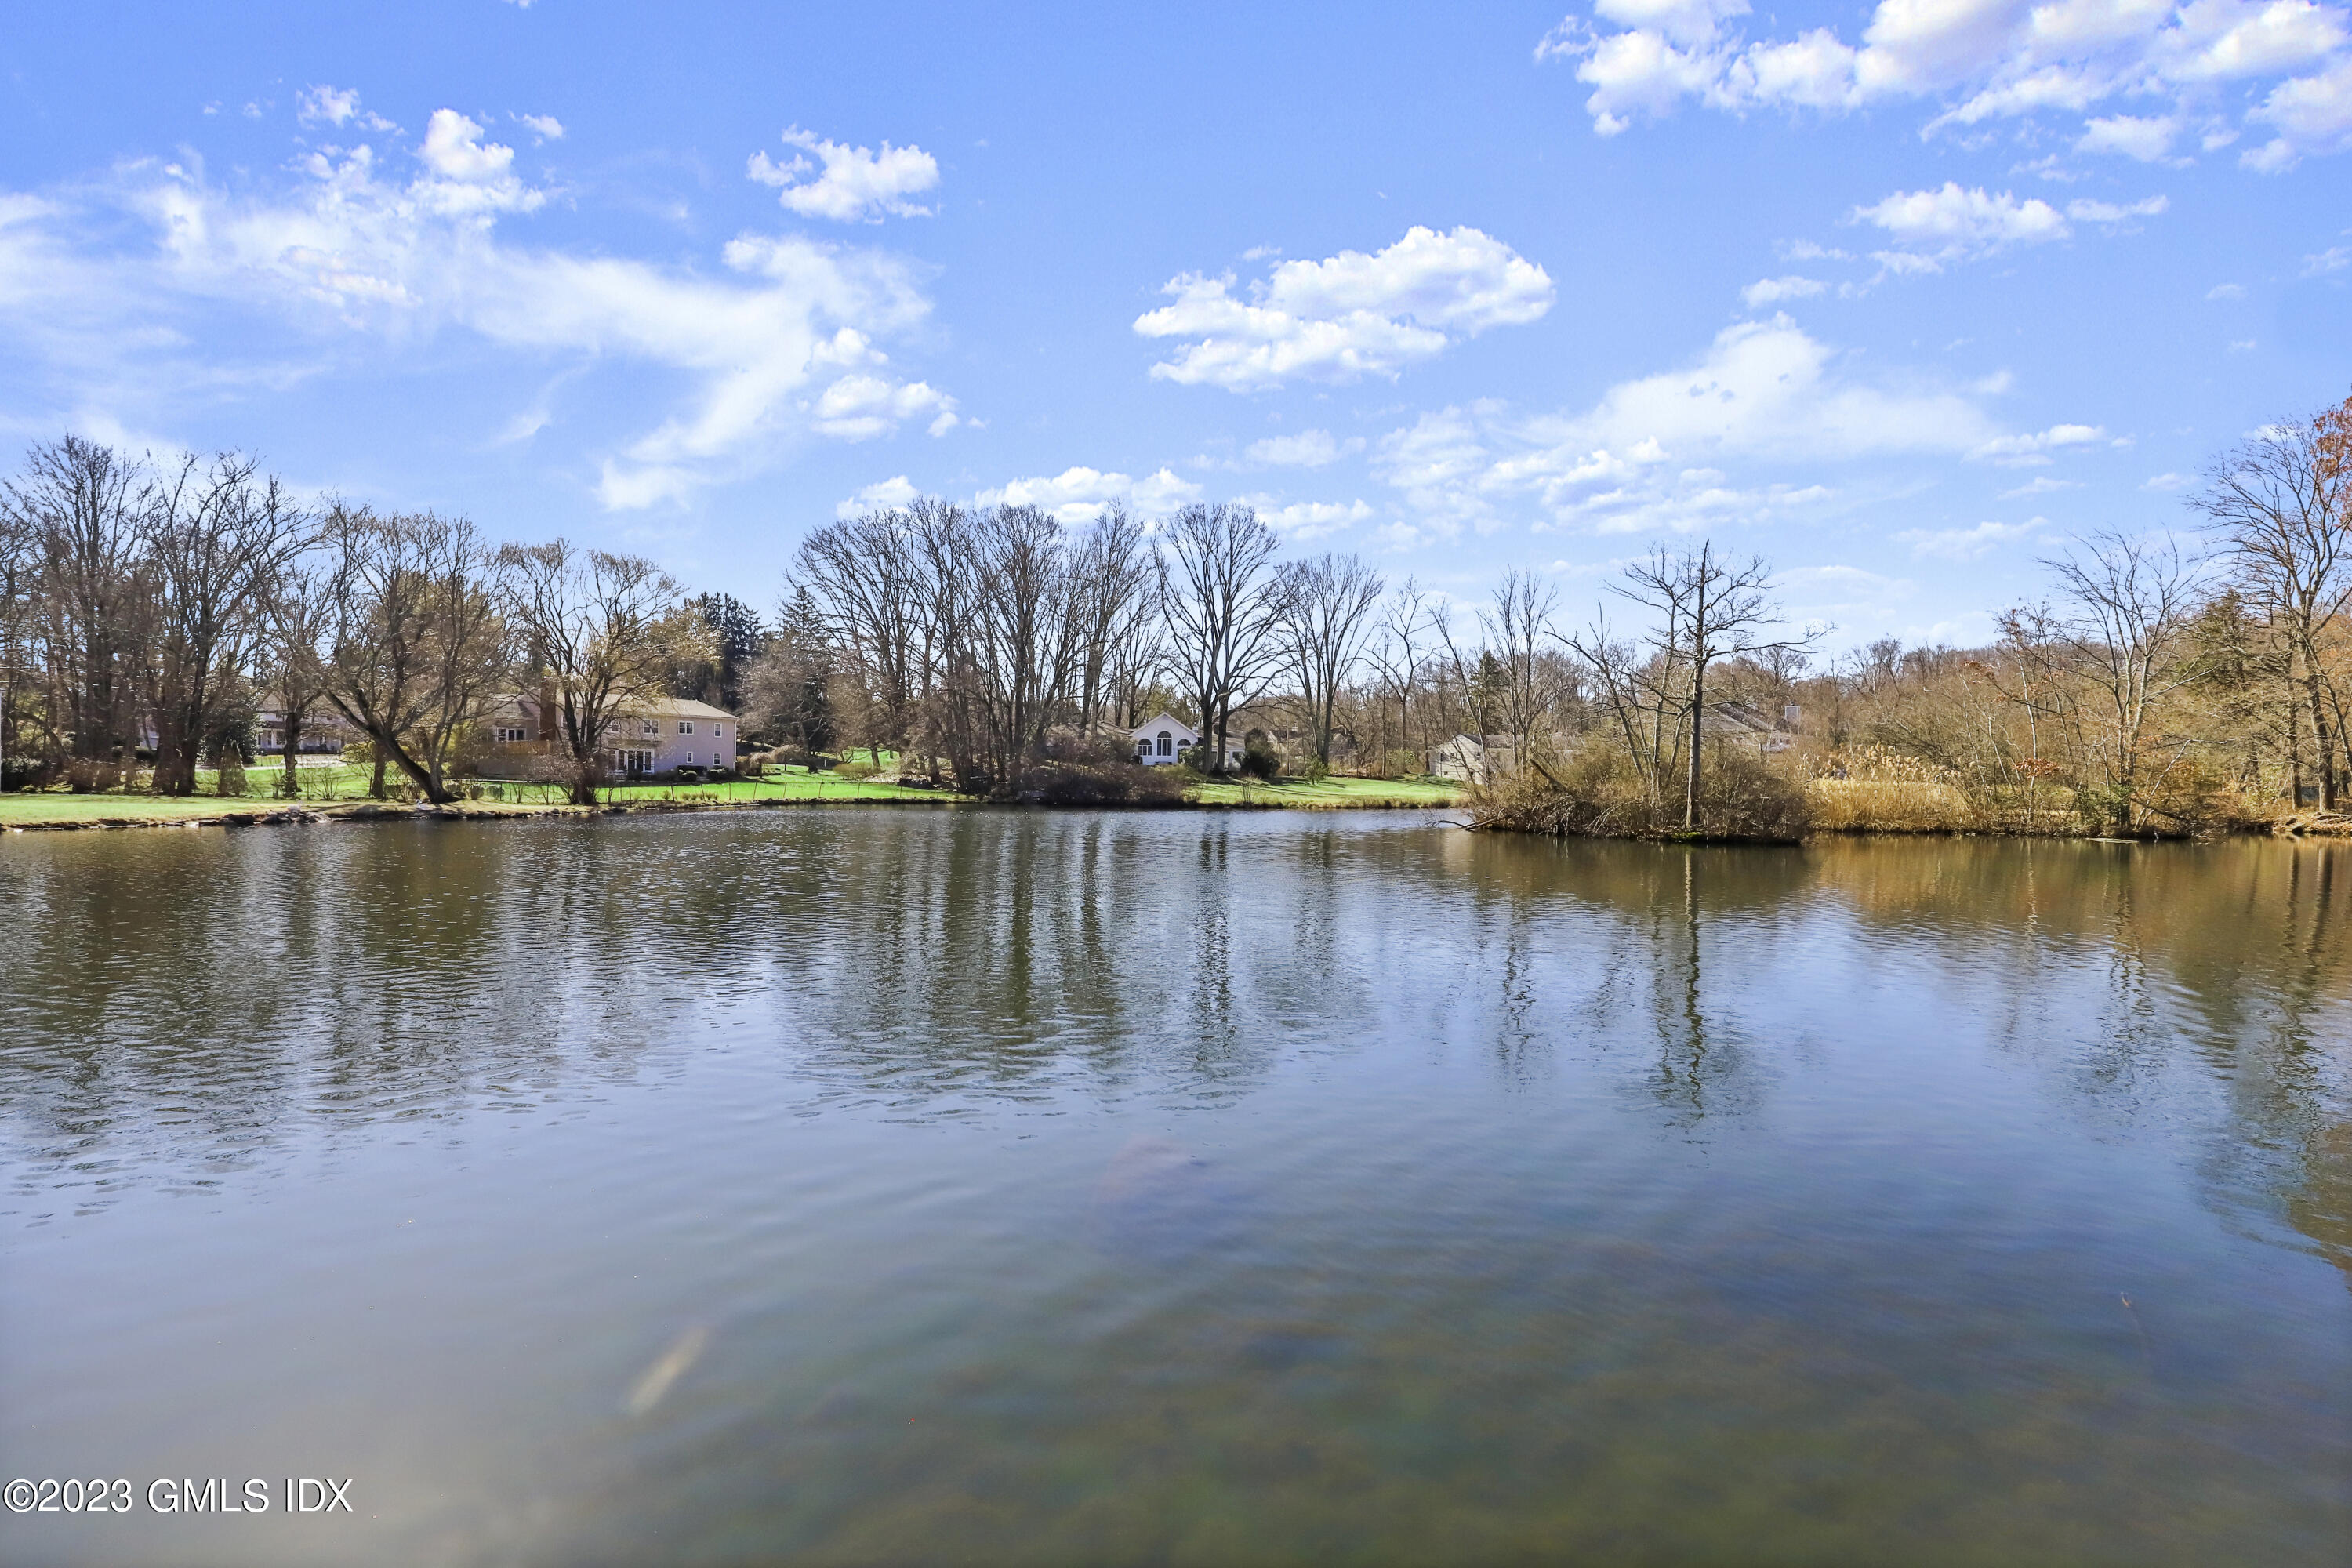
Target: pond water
[(968, 1185)]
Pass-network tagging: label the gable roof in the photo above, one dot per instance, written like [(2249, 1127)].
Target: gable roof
[(1166, 721)]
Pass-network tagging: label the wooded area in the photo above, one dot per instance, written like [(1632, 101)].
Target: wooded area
[(2170, 680)]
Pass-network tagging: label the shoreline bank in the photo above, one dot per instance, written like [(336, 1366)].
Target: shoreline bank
[(301, 814)]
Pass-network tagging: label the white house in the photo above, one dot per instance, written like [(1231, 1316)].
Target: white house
[(651, 737), (1163, 740)]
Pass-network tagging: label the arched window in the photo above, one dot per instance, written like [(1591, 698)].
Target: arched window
[(1167, 744)]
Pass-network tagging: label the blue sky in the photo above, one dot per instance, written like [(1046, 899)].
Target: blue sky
[(1901, 296)]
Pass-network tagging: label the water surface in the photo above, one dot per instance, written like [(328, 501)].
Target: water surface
[(970, 1185)]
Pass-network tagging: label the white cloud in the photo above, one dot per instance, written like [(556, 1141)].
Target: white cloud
[(544, 127), (1349, 316), (2312, 114), (2335, 259), (333, 106), (1772, 291), (1990, 60), (2040, 485), (861, 406), (330, 104), (2031, 450), (1967, 543), (1307, 449), (856, 184), (881, 496), (1308, 520), (2226, 291), (1652, 453), (1953, 224), (2165, 482), (2147, 140), (1076, 495), (779, 348), (2114, 211)]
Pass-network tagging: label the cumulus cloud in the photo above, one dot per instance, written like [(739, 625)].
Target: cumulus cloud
[(1346, 317), (336, 106), (1308, 520), (851, 184), (2041, 484), (1954, 223), (1772, 291), (2146, 139), (1307, 449), (779, 347), (880, 496), (1077, 494), (1990, 60), (543, 127), (1967, 543), (2033, 448), (1654, 453)]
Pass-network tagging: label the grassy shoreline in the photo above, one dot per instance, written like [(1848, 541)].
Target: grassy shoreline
[(329, 799)]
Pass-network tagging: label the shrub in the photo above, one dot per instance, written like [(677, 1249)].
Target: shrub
[(23, 772), (1600, 794), (1058, 783), (854, 772), (1259, 759)]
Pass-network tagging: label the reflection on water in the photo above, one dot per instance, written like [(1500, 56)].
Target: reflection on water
[(973, 1185)]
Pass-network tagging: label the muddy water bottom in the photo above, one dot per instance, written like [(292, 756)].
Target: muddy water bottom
[(1012, 1186)]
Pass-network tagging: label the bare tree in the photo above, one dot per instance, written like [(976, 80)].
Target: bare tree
[(1712, 609), (82, 507), (603, 633), (1117, 613), (418, 646), (298, 611), (2131, 601), (1326, 606), (1224, 612), (1396, 653), (1516, 631), (2282, 503), (866, 575), (217, 534)]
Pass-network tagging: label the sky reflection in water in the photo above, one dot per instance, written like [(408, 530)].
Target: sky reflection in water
[(973, 1185)]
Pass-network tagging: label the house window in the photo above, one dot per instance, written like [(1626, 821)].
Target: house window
[(509, 735), (686, 726), (652, 727), (1167, 744), (718, 731)]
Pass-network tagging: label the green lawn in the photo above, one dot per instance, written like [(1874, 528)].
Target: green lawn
[(327, 786), (1330, 793)]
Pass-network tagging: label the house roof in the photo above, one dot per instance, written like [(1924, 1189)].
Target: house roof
[(1166, 721), (649, 708)]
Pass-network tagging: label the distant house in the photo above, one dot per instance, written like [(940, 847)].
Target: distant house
[(1475, 759), (324, 729), (1163, 740), (658, 736), (1745, 724)]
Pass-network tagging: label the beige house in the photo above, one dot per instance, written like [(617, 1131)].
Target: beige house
[(1475, 759), (658, 736)]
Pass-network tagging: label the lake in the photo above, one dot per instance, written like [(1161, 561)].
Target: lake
[(946, 1185)]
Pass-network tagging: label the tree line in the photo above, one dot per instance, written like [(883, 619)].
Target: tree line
[(152, 611), (2152, 682)]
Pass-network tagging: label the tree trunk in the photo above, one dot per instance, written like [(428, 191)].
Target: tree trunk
[(291, 736), (1698, 736)]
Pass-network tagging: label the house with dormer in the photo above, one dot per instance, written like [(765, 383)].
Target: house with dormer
[(1162, 741)]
